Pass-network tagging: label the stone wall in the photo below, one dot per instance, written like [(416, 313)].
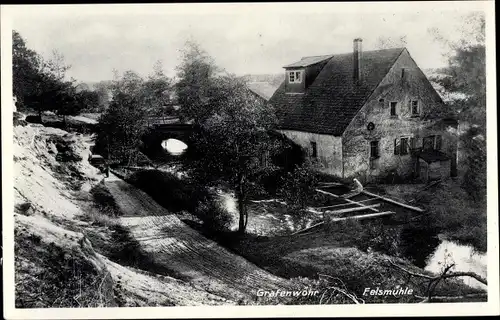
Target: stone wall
[(401, 87), (329, 149)]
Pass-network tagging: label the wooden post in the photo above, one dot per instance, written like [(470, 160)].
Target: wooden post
[(348, 200), (363, 216), (393, 201)]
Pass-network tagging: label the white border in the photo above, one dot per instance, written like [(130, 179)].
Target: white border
[(441, 309)]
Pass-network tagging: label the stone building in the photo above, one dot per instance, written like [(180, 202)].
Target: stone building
[(367, 114)]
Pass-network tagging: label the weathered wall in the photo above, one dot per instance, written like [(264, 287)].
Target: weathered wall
[(393, 88), (329, 149), (433, 171)]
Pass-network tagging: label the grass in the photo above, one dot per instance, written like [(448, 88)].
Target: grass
[(50, 276), (115, 241), (335, 252), (172, 193)]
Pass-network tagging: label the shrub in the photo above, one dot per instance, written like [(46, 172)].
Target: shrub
[(297, 188), (168, 190), (104, 200), (370, 235), (458, 218), (213, 215), (48, 276)]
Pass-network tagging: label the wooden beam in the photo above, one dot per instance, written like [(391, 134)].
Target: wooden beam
[(394, 202), (344, 204), (348, 200), (308, 228), (353, 209), (363, 216), (268, 200), (336, 184)]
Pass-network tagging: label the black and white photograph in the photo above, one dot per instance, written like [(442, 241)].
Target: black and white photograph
[(226, 157)]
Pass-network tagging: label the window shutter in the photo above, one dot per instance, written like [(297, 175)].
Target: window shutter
[(412, 142), (438, 142), (397, 146)]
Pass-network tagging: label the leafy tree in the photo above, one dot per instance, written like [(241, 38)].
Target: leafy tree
[(88, 100), (297, 188), (124, 122), (41, 84), (196, 83), (26, 65), (465, 76), (103, 91), (156, 90), (121, 128), (231, 141)]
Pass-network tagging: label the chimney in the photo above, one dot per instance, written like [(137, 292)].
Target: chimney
[(357, 56)]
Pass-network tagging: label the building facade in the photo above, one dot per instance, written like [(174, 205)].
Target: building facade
[(367, 115)]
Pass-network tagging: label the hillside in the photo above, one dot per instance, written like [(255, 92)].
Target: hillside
[(65, 241)]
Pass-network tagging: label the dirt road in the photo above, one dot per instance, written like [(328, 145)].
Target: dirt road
[(182, 249)]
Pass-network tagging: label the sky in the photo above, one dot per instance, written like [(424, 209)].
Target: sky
[(242, 38)]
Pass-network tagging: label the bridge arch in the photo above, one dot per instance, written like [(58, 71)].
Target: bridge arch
[(157, 137)]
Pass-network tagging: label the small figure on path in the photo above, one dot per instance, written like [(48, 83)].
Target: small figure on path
[(107, 170)]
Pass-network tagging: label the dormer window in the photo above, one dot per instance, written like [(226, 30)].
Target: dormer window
[(295, 76)]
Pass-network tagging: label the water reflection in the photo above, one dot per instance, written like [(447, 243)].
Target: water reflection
[(465, 259)]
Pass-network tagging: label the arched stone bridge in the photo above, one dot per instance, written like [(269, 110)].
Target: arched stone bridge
[(159, 132)]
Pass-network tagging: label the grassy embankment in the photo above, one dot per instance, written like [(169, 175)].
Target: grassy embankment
[(338, 251)]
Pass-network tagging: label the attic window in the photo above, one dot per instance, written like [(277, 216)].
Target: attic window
[(294, 76), (402, 73)]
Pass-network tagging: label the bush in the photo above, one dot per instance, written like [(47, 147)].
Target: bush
[(213, 215), (456, 215), (297, 189), (49, 276), (173, 193), (370, 235), (104, 200)]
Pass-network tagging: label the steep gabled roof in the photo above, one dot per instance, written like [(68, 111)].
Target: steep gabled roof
[(263, 89), (308, 61), (333, 99)]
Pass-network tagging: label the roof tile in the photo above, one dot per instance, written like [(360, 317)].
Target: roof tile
[(334, 98)]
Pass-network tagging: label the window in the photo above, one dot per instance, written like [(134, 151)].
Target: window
[(433, 143), (295, 76), (397, 146), (402, 73), (404, 145), (438, 142), (412, 143), (314, 152), (374, 149), (393, 108), (414, 108), (428, 143)]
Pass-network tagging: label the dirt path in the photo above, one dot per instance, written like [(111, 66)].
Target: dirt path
[(172, 243)]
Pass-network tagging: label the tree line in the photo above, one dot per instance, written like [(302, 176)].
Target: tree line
[(41, 84)]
